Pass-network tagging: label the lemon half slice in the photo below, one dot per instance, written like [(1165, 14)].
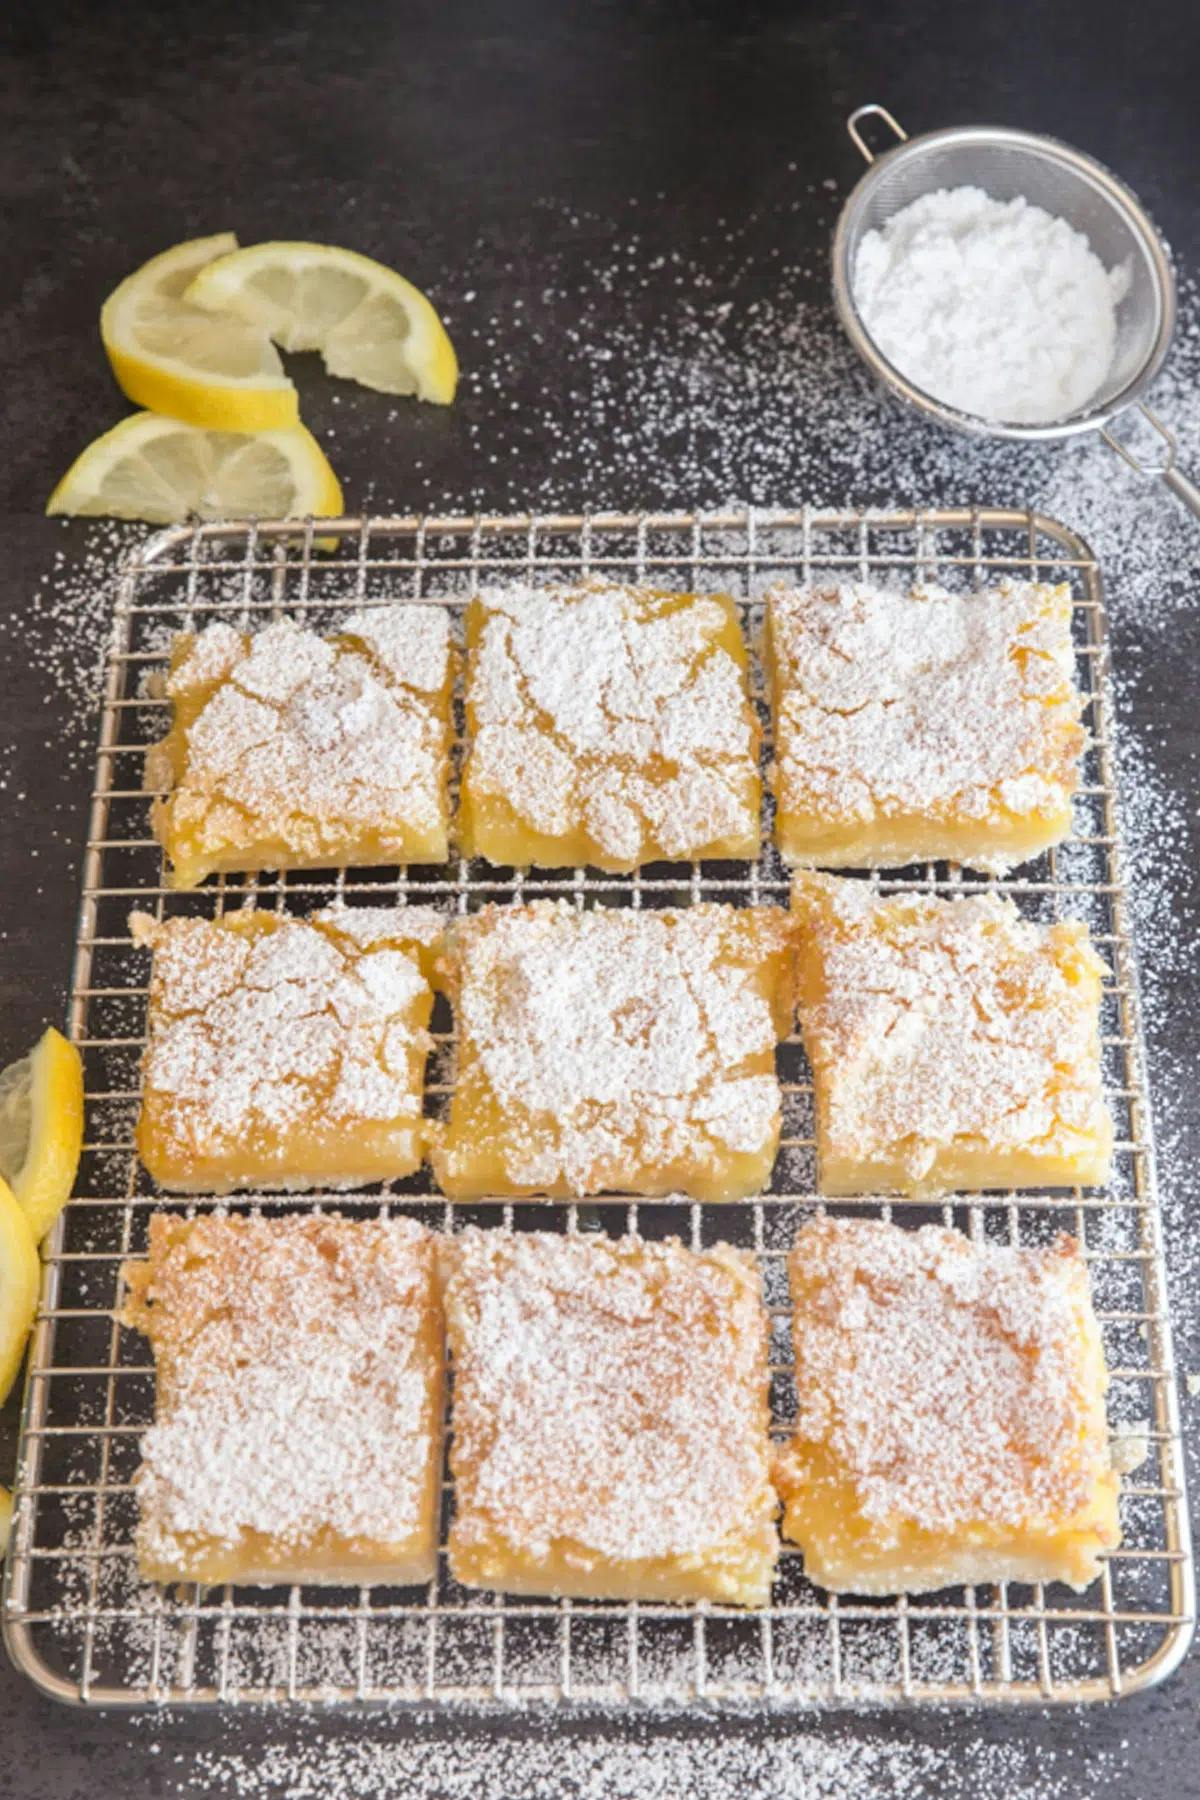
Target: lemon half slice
[(19, 1268), (369, 324), (41, 1128), (179, 359), (162, 470)]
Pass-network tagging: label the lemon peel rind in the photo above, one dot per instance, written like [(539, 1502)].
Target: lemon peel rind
[(218, 406), (55, 1135), (20, 1279)]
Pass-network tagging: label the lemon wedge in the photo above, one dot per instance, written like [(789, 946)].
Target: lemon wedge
[(41, 1128), (369, 324), (18, 1287), (179, 359), (162, 470)]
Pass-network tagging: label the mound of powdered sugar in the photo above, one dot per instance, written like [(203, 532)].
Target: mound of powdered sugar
[(995, 307)]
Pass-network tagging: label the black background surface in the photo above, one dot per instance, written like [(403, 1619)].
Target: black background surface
[(413, 132)]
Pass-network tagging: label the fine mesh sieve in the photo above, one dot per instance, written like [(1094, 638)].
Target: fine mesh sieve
[(1007, 165)]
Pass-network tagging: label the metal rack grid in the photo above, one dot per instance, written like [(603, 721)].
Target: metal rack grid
[(78, 1621)]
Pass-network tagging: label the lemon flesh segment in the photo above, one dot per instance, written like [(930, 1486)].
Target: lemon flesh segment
[(178, 359), (369, 324), (19, 1270), (163, 471), (41, 1128)]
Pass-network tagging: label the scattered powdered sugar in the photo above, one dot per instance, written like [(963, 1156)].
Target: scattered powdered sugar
[(737, 386), (947, 1378), (610, 1405), (295, 1386), (827, 1760), (992, 306), (1158, 821), (620, 1044), (948, 1020), (600, 708), (893, 702), (63, 630)]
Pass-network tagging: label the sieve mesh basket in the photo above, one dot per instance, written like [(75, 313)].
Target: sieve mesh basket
[(1064, 182)]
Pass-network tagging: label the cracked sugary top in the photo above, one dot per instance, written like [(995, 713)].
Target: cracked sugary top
[(344, 732), (293, 1384), (614, 709), (925, 701), (940, 1019), (609, 1392), (954, 1382), (264, 1020), (614, 1039)]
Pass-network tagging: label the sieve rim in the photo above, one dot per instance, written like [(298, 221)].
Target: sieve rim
[(1121, 197)]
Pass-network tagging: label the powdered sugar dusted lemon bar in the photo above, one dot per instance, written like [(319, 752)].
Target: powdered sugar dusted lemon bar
[(610, 1418), (286, 1052), (953, 1043), (298, 1417), (918, 725), (289, 750), (615, 1049), (951, 1424), (608, 725)]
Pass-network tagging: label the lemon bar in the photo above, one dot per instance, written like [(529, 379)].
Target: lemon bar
[(610, 1419), (615, 1049), (951, 1424), (918, 725), (953, 1043), (288, 750), (298, 1417), (286, 1052), (608, 725)]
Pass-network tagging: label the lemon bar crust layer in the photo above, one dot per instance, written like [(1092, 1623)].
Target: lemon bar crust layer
[(615, 1050), (298, 1420), (953, 1043), (611, 1419), (951, 1425), (286, 1052), (608, 725), (919, 725), (289, 750)]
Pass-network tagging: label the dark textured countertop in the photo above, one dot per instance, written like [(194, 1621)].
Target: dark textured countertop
[(559, 175)]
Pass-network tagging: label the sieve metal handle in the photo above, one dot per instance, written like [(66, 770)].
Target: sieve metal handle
[(1181, 485), (872, 111)]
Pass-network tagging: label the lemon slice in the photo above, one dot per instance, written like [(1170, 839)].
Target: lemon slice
[(41, 1128), (162, 471), (178, 359), (369, 324), (18, 1287)]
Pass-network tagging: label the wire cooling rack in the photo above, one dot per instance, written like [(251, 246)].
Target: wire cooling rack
[(77, 1618)]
